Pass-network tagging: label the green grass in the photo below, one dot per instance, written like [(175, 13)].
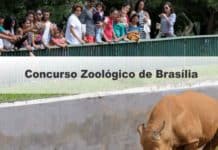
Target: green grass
[(65, 87), (22, 97)]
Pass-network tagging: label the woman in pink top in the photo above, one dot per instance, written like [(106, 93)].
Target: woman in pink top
[(109, 35)]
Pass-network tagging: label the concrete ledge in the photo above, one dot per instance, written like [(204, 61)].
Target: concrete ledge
[(104, 121)]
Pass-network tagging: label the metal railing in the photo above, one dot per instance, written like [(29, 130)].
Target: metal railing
[(179, 46)]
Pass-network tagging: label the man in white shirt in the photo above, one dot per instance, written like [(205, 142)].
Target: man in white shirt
[(74, 32)]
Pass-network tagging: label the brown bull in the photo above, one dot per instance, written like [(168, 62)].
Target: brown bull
[(188, 121)]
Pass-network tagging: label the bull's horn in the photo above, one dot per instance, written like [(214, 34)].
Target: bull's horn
[(141, 128), (162, 127), (156, 134)]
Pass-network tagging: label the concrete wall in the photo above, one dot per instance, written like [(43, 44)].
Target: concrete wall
[(102, 123)]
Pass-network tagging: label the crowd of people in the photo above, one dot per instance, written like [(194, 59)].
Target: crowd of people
[(86, 24)]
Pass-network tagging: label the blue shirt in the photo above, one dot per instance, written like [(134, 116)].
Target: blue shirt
[(133, 29), (168, 27)]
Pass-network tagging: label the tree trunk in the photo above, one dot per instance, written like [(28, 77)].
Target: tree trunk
[(211, 22)]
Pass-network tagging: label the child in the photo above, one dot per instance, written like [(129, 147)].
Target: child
[(37, 39), (58, 39), (133, 32), (120, 29), (108, 32), (28, 36), (98, 18), (25, 43)]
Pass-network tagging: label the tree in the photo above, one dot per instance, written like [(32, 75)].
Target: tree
[(19, 8), (201, 12)]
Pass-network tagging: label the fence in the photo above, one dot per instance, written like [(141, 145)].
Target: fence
[(180, 46)]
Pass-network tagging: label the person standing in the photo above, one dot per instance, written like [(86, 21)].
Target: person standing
[(38, 30), (144, 20), (46, 36), (10, 25), (124, 13), (99, 20), (168, 20), (30, 17), (128, 8), (87, 18), (8, 28), (108, 33), (74, 33)]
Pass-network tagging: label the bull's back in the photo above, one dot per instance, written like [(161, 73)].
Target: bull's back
[(192, 103), (199, 104), (197, 112), (195, 102), (202, 107), (190, 113)]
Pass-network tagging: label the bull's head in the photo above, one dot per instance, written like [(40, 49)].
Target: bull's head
[(151, 139)]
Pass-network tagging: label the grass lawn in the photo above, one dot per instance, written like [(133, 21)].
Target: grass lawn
[(21, 97), (24, 91)]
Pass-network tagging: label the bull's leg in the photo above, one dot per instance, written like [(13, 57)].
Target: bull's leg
[(212, 144)]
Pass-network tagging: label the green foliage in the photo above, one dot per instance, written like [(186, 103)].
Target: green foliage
[(19, 8), (201, 11)]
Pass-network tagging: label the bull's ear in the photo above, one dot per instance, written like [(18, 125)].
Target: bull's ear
[(141, 128)]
